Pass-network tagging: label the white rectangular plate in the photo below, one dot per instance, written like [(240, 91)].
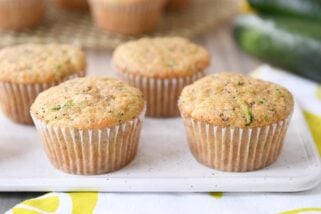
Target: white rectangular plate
[(163, 164)]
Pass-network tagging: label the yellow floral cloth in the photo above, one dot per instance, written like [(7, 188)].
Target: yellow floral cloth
[(309, 97)]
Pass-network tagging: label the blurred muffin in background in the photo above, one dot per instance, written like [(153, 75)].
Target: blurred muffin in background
[(161, 68), (127, 16), (72, 4), (26, 70), (173, 5), (21, 14)]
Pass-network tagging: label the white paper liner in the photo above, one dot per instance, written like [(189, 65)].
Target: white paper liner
[(161, 94), (235, 149), (93, 151), (16, 98)]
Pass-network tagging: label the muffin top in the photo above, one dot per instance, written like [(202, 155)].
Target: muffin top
[(88, 103), (161, 57), (35, 63), (230, 99)]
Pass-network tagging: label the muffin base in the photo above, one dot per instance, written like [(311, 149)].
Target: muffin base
[(235, 149), (161, 94), (91, 152), (21, 14), (127, 19), (16, 98)]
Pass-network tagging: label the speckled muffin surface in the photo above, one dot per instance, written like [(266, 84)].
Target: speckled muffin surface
[(161, 57), (88, 103), (35, 63), (230, 99)]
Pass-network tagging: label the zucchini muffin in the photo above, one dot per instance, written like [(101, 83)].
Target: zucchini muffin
[(21, 14), (26, 70), (127, 16), (235, 123), (72, 4), (89, 125), (174, 5), (161, 67)]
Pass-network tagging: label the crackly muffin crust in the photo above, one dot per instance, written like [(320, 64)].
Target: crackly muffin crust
[(230, 99), (161, 57), (35, 63), (88, 103)]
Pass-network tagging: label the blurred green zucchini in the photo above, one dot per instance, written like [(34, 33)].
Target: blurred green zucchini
[(301, 8), (289, 43)]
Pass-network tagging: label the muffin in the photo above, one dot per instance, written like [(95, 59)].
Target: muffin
[(26, 70), (21, 14), (160, 68), (174, 5), (72, 4), (89, 125), (127, 16), (235, 123)]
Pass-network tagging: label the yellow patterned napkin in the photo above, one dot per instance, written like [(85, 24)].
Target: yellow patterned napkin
[(307, 93)]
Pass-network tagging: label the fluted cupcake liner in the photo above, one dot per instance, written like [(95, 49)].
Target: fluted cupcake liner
[(235, 149), (21, 14), (133, 18), (93, 151), (16, 98), (161, 94)]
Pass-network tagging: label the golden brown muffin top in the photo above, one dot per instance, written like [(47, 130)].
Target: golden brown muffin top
[(35, 63), (88, 103), (230, 99), (161, 57)]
